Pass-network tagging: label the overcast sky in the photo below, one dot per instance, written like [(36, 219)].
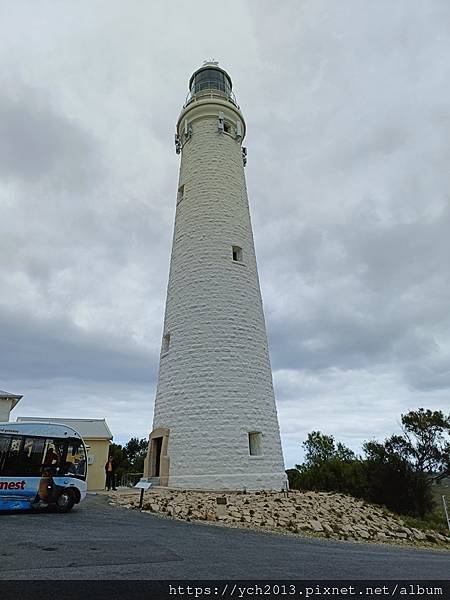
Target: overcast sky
[(347, 105)]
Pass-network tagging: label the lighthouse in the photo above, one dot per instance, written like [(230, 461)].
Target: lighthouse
[(215, 423)]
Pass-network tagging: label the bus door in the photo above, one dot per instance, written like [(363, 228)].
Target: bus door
[(52, 456)]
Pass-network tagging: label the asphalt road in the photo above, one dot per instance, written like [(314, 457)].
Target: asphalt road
[(98, 542)]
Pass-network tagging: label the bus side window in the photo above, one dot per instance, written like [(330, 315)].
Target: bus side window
[(4, 447), (33, 450), (76, 460), (12, 464)]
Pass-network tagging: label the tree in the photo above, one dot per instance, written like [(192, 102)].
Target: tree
[(402, 469), (392, 480), (135, 452), (129, 458), (116, 451), (426, 441), (321, 448), (398, 472), (328, 466), (294, 479)]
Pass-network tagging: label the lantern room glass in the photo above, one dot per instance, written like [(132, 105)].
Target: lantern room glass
[(210, 79)]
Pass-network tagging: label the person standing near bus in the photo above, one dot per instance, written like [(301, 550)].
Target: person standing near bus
[(110, 470)]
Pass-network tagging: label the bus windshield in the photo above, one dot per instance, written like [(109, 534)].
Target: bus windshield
[(34, 456)]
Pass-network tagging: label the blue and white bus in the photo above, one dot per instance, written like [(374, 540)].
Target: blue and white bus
[(41, 465)]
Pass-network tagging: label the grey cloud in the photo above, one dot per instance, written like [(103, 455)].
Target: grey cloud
[(44, 349), (334, 336), (39, 143), (399, 256), (381, 298), (379, 144), (348, 128), (433, 373)]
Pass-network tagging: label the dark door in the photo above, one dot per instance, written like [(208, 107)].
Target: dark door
[(158, 446)]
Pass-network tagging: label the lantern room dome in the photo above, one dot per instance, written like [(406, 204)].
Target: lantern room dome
[(210, 79)]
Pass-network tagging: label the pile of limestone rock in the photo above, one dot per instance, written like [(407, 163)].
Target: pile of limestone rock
[(330, 515)]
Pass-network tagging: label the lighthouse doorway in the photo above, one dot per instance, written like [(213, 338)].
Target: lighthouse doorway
[(158, 447), (157, 461)]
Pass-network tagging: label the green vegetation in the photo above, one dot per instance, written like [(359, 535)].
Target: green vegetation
[(129, 458), (399, 473), (433, 520)]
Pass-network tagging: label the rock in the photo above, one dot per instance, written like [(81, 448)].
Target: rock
[(419, 535), (316, 525), (364, 534), (331, 514), (347, 528)]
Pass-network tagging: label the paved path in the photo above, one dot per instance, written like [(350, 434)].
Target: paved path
[(97, 541)]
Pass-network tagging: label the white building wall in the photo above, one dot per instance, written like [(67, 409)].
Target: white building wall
[(5, 409), (215, 381)]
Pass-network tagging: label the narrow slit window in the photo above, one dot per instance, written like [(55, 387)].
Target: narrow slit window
[(255, 443), (180, 194), (226, 127), (237, 254), (165, 343)]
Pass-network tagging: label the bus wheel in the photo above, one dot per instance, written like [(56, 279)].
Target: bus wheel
[(65, 501)]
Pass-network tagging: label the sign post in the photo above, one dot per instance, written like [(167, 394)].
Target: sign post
[(444, 502), (221, 510), (143, 486)]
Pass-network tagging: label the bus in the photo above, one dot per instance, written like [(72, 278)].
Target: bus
[(42, 465)]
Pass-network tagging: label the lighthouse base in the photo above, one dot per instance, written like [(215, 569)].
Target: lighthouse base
[(231, 481)]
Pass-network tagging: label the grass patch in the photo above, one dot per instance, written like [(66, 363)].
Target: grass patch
[(435, 520)]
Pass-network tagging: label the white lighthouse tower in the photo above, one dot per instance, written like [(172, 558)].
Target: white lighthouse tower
[(215, 422)]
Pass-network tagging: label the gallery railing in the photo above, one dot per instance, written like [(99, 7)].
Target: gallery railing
[(130, 479), (210, 89)]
